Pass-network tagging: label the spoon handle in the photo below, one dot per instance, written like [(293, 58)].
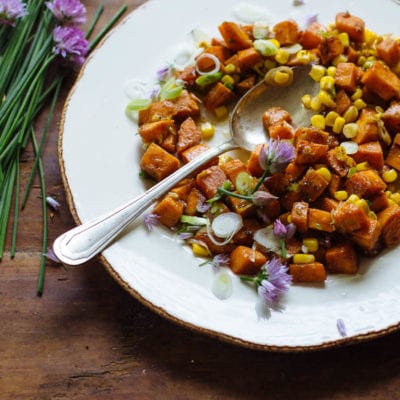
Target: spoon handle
[(83, 242)]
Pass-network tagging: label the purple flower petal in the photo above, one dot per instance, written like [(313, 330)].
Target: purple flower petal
[(341, 327), (280, 154), (262, 198), (68, 11), (162, 73), (280, 230), (185, 235), (151, 220), (70, 43), (11, 10), (221, 260), (310, 19), (52, 256), (53, 203)]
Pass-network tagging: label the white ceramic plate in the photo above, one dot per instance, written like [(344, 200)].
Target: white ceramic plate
[(100, 152)]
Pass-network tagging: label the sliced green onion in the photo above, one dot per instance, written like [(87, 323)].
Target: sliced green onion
[(197, 221), (265, 47), (243, 183), (171, 90), (208, 79), (138, 104)]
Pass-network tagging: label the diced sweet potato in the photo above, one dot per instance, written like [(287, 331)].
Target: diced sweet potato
[(281, 130), (390, 223), (354, 26), (158, 163), (339, 162), (312, 185), (210, 179), (253, 163), (248, 58), (217, 96), (235, 36), (320, 220), (343, 102), (334, 184), (348, 217), (379, 202), (246, 261), (169, 143), (347, 76), (286, 32), (246, 84), (299, 216), (192, 152), (393, 157), (389, 51), (203, 238), (310, 153), (368, 129), (274, 115), (183, 188), (391, 117), (277, 183), (233, 168), (330, 48), (312, 272), (157, 131), (242, 207), (289, 198), (193, 201), (294, 171), (368, 238), (246, 233), (188, 135), (382, 81), (169, 211), (329, 204), (205, 64), (341, 259), (188, 75), (311, 134), (365, 184), (312, 37), (370, 152)]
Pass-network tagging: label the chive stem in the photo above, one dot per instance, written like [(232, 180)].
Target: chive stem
[(94, 21)]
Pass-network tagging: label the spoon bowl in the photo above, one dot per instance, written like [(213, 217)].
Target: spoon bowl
[(85, 241)]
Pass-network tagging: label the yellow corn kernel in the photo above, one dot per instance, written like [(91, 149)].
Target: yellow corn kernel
[(353, 198), (315, 104), (369, 37), (351, 114), (357, 94), (303, 56), (350, 130), (362, 166), (269, 64), (289, 219), (360, 104), (344, 39), (388, 193), (372, 215), (306, 100), (325, 99), (275, 43), (395, 197), (331, 71), (230, 68), (341, 195), (391, 202), (330, 118), (311, 244), (327, 83), (389, 176), (341, 58), (325, 173), (207, 130), (301, 258), (221, 112), (200, 251), (228, 80), (282, 56), (281, 77), (362, 203), (318, 121), (317, 72), (338, 125)]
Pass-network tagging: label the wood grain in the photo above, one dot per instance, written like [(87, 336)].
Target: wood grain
[(86, 338)]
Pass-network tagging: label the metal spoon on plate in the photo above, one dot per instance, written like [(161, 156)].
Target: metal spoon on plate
[(83, 242)]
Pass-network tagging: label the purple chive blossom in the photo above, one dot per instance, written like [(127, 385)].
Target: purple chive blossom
[(70, 43), (68, 11), (283, 232), (52, 256), (162, 73), (262, 198), (220, 260), (11, 10), (185, 235), (203, 207), (276, 156), (341, 327), (151, 220), (310, 19), (53, 203)]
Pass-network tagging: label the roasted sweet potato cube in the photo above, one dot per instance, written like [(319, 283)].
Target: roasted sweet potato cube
[(391, 117), (158, 163), (242, 207), (311, 272), (273, 115), (188, 135), (157, 131), (245, 235), (368, 238), (343, 102), (341, 259), (310, 153), (169, 211), (347, 76), (393, 157), (372, 153), (312, 36), (382, 81), (335, 184), (246, 260), (389, 219), (365, 184), (289, 198), (330, 48), (183, 188), (203, 238), (339, 162), (249, 58), (253, 163), (286, 32), (294, 171), (234, 35), (233, 168), (169, 143), (218, 95), (348, 217), (299, 215), (210, 179), (311, 134), (192, 152), (206, 64), (312, 185), (246, 84), (389, 51), (320, 220), (379, 202), (368, 129), (329, 204), (281, 130), (354, 26), (193, 201), (186, 105)]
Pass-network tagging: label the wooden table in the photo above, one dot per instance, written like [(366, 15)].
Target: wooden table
[(87, 338)]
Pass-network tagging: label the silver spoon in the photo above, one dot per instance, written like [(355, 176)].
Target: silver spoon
[(83, 242)]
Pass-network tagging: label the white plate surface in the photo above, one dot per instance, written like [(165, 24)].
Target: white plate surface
[(100, 153)]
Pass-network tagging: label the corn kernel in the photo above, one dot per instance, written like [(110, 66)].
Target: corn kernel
[(221, 112), (300, 258), (289, 219), (303, 56), (351, 114), (341, 58), (311, 244), (395, 197), (388, 193), (362, 166), (360, 104), (275, 43), (325, 99), (281, 77), (317, 72), (372, 215), (362, 203), (357, 94), (315, 104), (327, 83), (338, 125), (341, 195), (325, 173), (331, 71), (353, 198), (344, 39), (269, 64), (200, 251), (282, 56), (227, 80), (330, 118), (306, 100), (350, 130), (318, 121), (207, 130), (230, 68), (389, 176), (369, 37), (391, 203)]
